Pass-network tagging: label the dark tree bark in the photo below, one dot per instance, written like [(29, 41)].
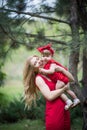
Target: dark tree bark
[(74, 54), (84, 79), (82, 11), (84, 83), (74, 60)]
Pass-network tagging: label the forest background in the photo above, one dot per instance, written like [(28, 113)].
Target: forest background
[(24, 26)]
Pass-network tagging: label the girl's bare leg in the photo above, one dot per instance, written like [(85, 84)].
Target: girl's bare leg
[(59, 84), (76, 101), (64, 97), (68, 102)]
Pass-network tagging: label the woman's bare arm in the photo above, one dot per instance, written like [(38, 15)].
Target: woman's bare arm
[(44, 89)]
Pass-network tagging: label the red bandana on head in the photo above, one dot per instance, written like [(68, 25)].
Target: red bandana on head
[(46, 47)]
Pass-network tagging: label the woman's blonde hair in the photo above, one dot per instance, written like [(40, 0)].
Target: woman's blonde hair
[(30, 89)]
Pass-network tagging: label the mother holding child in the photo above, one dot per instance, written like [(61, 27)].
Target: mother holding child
[(57, 116)]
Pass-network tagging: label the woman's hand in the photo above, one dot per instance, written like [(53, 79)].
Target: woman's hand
[(66, 87)]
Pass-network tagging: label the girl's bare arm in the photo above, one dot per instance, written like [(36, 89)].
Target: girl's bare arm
[(51, 70), (57, 68)]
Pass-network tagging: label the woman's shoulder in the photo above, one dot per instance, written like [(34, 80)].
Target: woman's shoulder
[(39, 80), (42, 79), (38, 77)]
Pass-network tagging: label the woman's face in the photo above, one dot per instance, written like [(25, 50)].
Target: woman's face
[(36, 62)]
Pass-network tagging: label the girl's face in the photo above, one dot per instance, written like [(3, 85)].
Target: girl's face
[(46, 57), (36, 62)]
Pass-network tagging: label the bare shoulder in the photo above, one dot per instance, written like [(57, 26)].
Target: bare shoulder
[(39, 80), (38, 77)]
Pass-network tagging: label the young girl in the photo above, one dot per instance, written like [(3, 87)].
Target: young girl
[(58, 77)]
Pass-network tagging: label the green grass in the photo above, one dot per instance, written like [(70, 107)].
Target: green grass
[(35, 124), (24, 125)]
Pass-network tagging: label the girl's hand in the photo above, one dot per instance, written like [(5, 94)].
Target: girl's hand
[(42, 71)]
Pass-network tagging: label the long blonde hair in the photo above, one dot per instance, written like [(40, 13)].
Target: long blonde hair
[(30, 89)]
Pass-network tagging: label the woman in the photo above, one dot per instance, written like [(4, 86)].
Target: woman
[(55, 116)]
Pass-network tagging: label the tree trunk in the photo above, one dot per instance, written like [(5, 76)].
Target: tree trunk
[(84, 78), (74, 54), (84, 83), (74, 60), (83, 21)]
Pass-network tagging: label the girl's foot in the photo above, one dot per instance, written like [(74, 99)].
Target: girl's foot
[(75, 102), (69, 103)]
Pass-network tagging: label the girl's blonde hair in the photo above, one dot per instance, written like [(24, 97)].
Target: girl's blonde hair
[(30, 89)]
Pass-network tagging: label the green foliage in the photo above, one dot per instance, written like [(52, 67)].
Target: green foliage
[(62, 8), (76, 113), (77, 124), (38, 111), (17, 4), (2, 78), (12, 113), (14, 32), (4, 99), (8, 94), (16, 111)]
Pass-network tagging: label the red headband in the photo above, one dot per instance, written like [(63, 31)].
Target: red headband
[(46, 47)]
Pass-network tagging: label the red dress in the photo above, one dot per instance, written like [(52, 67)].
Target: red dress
[(56, 75), (56, 117)]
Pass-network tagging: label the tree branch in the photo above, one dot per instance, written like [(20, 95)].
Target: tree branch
[(36, 15)]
